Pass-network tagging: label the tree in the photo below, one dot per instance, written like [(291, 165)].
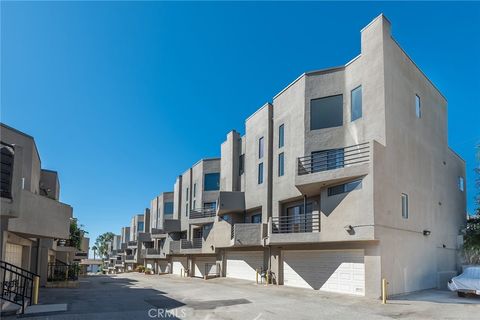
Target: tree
[(102, 243), (471, 244), (76, 233)]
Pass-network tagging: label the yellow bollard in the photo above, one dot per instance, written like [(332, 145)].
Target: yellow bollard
[(384, 291), (36, 285)]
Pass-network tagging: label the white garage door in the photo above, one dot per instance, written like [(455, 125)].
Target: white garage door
[(179, 265), (205, 265), (243, 264), (13, 254), (163, 266), (336, 271)]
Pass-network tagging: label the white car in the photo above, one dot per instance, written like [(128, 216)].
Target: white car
[(467, 282)]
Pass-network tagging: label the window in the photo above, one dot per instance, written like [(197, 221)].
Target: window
[(404, 206), (256, 218), (7, 172), (326, 112), (210, 205), (260, 148), (461, 184), (356, 103), (241, 164), (168, 208), (281, 136), (418, 107), (298, 218), (140, 226), (194, 190), (343, 188), (186, 195), (212, 181), (327, 160), (281, 164), (186, 209), (194, 204), (260, 173)]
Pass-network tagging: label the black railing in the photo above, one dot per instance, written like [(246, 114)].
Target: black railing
[(62, 272), (203, 213), (132, 243), (195, 243), (333, 159), (17, 284), (301, 223)]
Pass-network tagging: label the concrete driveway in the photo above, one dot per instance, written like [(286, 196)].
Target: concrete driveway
[(138, 296)]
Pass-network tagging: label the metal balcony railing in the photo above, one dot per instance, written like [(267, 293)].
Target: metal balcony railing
[(301, 223), (195, 243), (152, 251), (203, 213), (118, 263), (132, 243), (333, 159), (129, 257)]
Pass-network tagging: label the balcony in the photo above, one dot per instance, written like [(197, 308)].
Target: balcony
[(230, 202), (302, 228), (63, 245), (328, 167), (174, 247), (118, 263), (191, 246), (130, 259), (40, 216), (202, 216), (153, 253), (247, 234), (132, 244), (144, 237)]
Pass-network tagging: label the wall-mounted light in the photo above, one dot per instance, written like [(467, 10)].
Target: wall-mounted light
[(349, 229), (426, 232)]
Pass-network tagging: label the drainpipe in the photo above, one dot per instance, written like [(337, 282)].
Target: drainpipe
[(37, 266)]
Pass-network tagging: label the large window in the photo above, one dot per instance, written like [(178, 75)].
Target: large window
[(212, 181), (298, 218), (327, 160), (241, 164), (356, 103), (418, 107), (404, 206), (281, 136), (326, 112), (140, 227), (6, 171), (168, 208), (281, 164), (346, 187), (260, 148), (260, 173), (256, 218)]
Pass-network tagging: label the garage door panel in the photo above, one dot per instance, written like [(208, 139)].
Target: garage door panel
[(243, 264), (337, 271), (200, 265), (178, 265)]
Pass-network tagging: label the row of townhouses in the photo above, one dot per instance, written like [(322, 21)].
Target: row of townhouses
[(345, 178), (35, 225)]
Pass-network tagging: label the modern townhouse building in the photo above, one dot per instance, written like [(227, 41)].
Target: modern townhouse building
[(138, 237), (344, 179), (33, 219)]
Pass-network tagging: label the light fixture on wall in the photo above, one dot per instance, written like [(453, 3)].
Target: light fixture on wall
[(349, 229), (426, 232)]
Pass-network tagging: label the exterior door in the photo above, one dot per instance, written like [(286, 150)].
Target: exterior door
[(327, 270)]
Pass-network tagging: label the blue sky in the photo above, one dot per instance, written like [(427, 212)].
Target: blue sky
[(123, 97)]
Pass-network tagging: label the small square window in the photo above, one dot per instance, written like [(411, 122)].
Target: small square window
[(260, 148), (281, 136), (260, 173), (404, 206), (281, 164), (418, 106)]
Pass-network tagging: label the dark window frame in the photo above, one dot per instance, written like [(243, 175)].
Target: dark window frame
[(334, 121), (260, 173)]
